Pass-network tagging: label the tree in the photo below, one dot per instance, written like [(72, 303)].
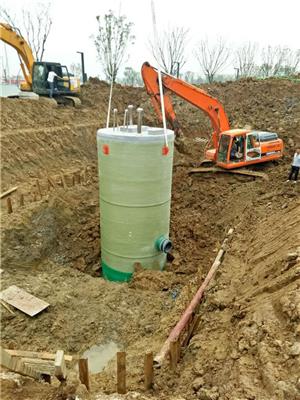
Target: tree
[(170, 51), (292, 62), (192, 78), (112, 40), (35, 26), (75, 69), (212, 58), (132, 77), (245, 59), (273, 59)]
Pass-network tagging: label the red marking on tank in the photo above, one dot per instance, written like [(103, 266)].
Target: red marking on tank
[(105, 149), (165, 150)]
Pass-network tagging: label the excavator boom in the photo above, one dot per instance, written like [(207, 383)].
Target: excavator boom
[(195, 96), (9, 35)]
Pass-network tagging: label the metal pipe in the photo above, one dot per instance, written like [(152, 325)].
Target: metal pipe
[(186, 316), (125, 117), (130, 112), (115, 120), (140, 120)]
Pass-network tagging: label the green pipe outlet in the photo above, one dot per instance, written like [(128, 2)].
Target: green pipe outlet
[(163, 244)]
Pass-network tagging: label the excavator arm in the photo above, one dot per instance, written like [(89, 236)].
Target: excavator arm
[(10, 36), (195, 96)]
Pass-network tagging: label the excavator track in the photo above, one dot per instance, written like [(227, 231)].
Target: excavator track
[(76, 102), (246, 172)]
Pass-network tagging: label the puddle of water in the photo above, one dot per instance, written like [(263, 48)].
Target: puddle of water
[(99, 355)]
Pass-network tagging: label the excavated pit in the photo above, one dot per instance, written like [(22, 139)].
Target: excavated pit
[(247, 340)]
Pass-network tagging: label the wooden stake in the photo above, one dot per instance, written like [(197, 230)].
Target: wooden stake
[(51, 182), (39, 187), (84, 372), (6, 306), (82, 174), (73, 180), (9, 205), (121, 372), (178, 349), (173, 354), (148, 371), (21, 201), (60, 366), (63, 181)]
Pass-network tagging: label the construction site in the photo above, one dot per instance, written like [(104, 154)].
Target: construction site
[(141, 264)]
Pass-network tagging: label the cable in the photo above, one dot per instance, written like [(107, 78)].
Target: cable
[(109, 104), (162, 102)]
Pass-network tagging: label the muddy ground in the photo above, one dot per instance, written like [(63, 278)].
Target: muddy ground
[(247, 345)]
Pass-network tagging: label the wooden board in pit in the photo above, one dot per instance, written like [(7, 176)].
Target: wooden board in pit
[(23, 300)]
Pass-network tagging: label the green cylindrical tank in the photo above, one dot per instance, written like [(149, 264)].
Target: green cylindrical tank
[(135, 173)]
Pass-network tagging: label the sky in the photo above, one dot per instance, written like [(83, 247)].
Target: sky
[(267, 22)]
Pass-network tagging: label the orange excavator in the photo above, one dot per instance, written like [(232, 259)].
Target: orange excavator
[(231, 148)]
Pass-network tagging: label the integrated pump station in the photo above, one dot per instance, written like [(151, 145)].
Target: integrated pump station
[(135, 172)]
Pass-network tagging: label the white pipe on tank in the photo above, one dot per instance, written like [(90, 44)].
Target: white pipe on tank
[(130, 112), (140, 120), (125, 117), (115, 123)]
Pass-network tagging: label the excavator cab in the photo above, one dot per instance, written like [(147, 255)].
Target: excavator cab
[(67, 86), (238, 148)]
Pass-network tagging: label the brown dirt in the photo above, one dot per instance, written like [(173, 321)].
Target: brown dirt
[(246, 344)]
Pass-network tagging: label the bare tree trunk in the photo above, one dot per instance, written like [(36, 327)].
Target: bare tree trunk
[(212, 58), (171, 51), (245, 59), (112, 40), (35, 27)]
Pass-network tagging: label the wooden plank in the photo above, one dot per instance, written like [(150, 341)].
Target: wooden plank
[(60, 366), (121, 372), (9, 191), (84, 372), (41, 366), (5, 358), (148, 371), (23, 300), (16, 364), (35, 354)]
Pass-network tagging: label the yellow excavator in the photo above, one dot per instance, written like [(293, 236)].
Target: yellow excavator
[(36, 72)]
